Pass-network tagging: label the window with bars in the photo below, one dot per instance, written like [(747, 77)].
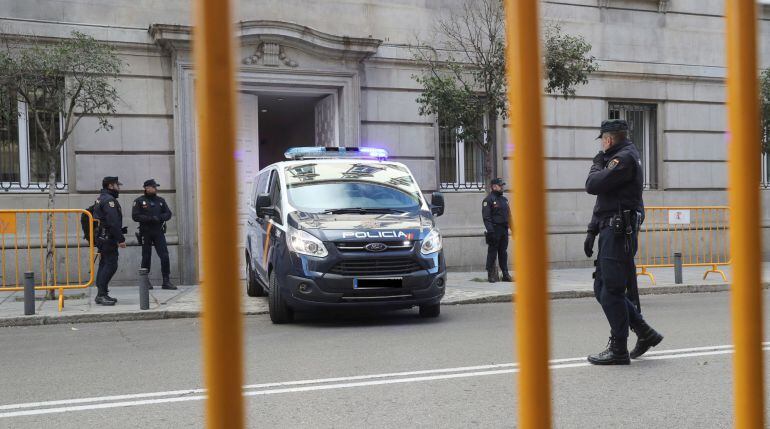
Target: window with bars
[(461, 164), (643, 132), (23, 164)]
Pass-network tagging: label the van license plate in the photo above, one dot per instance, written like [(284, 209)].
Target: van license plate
[(377, 283)]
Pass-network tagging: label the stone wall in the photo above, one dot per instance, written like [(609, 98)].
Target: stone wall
[(672, 58)]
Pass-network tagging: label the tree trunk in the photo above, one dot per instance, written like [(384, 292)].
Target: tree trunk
[(50, 238)]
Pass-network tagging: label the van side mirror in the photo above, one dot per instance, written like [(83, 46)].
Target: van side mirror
[(264, 206), (437, 204)]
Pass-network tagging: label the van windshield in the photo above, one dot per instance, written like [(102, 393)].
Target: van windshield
[(353, 187)]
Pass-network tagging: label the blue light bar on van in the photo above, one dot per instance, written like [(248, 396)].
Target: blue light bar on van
[(336, 152)]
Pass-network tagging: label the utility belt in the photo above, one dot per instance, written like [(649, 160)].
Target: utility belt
[(623, 222)]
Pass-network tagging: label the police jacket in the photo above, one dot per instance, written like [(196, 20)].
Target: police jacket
[(150, 211), (107, 210), (617, 181), (495, 211)]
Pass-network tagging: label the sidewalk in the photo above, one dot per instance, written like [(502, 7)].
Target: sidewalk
[(462, 288)]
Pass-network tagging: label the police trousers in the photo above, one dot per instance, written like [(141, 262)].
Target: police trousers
[(155, 239), (615, 270), (108, 266), (497, 248)]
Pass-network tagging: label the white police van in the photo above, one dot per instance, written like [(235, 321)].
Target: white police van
[(340, 228)]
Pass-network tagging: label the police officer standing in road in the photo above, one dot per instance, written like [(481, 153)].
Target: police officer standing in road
[(109, 238), (152, 213), (617, 180), (496, 213)]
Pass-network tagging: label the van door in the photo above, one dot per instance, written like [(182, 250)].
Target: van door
[(269, 226), (254, 235)]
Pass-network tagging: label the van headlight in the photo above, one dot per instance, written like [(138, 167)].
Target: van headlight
[(431, 243), (303, 243)]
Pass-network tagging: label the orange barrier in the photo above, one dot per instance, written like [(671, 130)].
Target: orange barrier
[(23, 248), (700, 234)]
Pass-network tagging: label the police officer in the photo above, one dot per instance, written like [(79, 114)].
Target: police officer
[(616, 178), (152, 213), (496, 213), (109, 237)]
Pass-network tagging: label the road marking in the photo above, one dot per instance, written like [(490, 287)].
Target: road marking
[(298, 386)]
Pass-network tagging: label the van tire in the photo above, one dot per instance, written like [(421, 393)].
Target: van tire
[(430, 311), (279, 311), (253, 288)]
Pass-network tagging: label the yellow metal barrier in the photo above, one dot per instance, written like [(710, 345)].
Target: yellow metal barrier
[(700, 234), (24, 248)]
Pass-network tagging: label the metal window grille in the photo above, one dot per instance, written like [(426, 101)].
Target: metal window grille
[(461, 164), (22, 163), (765, 169), (643, 132)]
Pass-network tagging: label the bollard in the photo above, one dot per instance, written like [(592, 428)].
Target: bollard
[(678, 268), (29, 293), (144, 289)]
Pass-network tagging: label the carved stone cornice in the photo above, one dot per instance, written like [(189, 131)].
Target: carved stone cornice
[(267, 36), (662, 4)]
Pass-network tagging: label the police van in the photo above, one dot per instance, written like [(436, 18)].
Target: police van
[(342, 228)]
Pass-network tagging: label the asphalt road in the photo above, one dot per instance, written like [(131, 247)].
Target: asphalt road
[(373, 370)]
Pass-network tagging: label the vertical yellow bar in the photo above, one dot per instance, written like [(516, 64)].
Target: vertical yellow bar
[(743, 194), (16, 253), (53, 248), (66, 249), (29, 244), (531, 253), (215, 100), (43, 271)]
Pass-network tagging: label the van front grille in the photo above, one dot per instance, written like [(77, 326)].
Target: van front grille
[(376, 267)]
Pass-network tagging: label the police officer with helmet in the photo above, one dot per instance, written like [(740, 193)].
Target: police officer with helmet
[(496, 213), (152, 213), (617, 180), (109, 237)]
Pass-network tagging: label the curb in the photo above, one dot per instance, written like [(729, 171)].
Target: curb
[(127, 316), (576, 294)]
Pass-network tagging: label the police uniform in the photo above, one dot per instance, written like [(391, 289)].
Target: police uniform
[(617, 180), (110, 234), (152, 211), (496, 214)]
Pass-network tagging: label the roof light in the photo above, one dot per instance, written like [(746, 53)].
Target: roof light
[(336, 152)]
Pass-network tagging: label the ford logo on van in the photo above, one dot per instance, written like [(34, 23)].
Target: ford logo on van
[(376, 247)]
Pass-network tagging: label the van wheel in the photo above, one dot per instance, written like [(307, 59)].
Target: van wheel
[(253, 288), (279, 310), (430, 311)]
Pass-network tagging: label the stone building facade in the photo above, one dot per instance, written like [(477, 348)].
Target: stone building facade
[(341, 72)]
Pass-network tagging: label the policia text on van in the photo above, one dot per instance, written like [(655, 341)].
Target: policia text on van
[(343, 227)]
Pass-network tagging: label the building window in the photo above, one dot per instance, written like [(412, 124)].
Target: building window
[(22, 157), (643, 132), (765, 168), (461, 164)]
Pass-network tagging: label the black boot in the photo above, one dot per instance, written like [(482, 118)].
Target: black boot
[(616, 353), (104, 300), (646, 339), (167, 284), (492, 276), (506, 277)]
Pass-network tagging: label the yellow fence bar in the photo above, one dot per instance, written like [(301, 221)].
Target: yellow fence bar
[(693, 231), (743, 194), (531, 255), (213, 51)]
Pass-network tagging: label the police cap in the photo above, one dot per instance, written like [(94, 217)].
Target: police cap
[(613, 125), (108, 180), (498, 181), (151, 182)]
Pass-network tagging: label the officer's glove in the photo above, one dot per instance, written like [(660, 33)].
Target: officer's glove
[(156, 219), (488, 238), (599, 159), (588, 246)]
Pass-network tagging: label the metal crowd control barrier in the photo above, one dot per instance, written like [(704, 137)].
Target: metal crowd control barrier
[(23, 248), (700, 234)]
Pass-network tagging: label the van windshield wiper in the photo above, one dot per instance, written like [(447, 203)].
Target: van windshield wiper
[(363, 210)]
